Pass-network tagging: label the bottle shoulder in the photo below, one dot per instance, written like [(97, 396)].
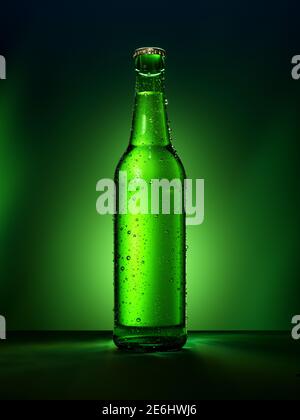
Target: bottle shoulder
[(151, 161)]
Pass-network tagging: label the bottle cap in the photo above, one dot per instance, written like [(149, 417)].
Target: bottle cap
[(149, 50)]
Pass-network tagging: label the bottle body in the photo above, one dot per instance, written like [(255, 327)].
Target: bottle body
[(149, 248)]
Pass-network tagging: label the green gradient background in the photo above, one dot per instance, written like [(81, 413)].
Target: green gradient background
[(65, 115)]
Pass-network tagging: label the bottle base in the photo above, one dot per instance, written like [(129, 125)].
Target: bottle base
[(145, 339)]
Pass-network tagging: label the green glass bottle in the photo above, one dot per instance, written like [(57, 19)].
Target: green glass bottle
[(149, 249)]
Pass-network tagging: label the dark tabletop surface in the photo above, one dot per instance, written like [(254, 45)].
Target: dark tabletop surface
[(86, 365)]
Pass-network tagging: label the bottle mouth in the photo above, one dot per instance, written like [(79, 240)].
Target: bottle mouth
[(149, 50), (149, 61)]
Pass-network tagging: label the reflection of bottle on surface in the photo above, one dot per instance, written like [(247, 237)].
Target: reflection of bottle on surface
[(150, 248)]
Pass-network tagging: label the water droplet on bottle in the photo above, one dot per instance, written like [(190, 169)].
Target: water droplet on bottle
[(129, 232), (128, 257), (122, 268), (138, 320)]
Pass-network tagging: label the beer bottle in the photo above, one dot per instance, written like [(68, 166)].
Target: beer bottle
[(149, 245)]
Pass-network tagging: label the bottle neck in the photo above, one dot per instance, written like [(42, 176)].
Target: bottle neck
[(150, 122)]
